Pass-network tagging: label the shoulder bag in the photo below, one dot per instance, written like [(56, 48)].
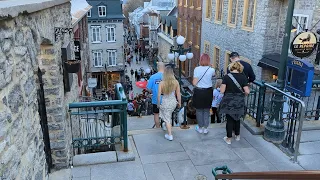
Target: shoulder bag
[(235, 82)]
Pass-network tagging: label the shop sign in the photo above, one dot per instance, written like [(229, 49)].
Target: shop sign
[(77, 50), (59, 32), (304, 44), (92, 82)]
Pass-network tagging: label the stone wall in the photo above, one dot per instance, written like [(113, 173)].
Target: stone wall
[(164, 45), (27, 43)]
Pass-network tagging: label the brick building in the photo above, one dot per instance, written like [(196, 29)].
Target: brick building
[(253, 28), (189, 25)]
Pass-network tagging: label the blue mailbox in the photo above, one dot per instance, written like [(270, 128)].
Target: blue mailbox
[(299, 77)]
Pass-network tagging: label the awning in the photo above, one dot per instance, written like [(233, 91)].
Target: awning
[(271, 61)]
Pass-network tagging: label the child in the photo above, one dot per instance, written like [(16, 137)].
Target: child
[(217, 97)]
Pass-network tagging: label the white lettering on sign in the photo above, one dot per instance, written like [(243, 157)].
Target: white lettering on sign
[(92, 82)]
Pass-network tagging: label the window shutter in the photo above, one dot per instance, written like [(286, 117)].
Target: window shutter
[(115, 58)]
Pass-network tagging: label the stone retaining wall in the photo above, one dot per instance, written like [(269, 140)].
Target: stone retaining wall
[(27, 43)]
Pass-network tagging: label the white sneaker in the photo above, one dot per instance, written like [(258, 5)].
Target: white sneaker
[(226, 140), (238, 138), (198, 129), (164, 127), (170, 138), (205, 131)]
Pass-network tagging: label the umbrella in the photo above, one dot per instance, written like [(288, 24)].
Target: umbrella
[(142, 84)]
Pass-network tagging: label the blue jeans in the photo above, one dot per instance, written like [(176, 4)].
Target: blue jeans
[(203, 116)]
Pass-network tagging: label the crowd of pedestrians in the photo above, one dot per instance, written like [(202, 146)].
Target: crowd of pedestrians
[(226, 97)]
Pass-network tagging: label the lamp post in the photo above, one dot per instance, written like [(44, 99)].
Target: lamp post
[(182, 54), (274, 130)]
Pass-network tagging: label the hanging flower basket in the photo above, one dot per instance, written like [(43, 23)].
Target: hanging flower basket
[(72, 66)]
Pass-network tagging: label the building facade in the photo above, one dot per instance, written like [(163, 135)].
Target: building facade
[(106, 41), (36, 85), (254, 29), (189, 26)]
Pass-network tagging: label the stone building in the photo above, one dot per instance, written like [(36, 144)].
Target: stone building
[(79, 9), (167, 35), (36, 86), (106, 36), (254, 29), (189, 26)]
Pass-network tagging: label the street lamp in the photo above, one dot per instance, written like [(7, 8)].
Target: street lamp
[(274, 129), (182, 54)]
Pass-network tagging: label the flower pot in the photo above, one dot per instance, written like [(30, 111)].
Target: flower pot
[(72, 66)]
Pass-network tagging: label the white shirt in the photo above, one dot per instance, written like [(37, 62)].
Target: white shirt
[(206, 81)]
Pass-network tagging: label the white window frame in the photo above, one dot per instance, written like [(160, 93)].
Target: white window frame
[(109, 28), (89, 13), (299, 29), (97, 56), (102, 13), (97, 39), (114, 60)]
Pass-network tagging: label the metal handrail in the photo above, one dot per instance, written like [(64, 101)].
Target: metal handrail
[(301, 118)]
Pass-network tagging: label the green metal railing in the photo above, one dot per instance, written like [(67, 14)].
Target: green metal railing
[(99, 125)]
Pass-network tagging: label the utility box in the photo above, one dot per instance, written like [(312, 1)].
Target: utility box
[(299, 77)]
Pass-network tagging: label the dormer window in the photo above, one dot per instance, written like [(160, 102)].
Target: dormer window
[(102, 10), (89, 13)]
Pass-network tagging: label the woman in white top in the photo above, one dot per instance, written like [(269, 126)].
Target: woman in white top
[(171, 98), (203, 92)]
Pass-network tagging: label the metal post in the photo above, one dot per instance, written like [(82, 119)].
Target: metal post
[(274, 130), (262, 90)]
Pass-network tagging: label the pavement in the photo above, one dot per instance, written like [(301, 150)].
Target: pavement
[(189, 156), (144, 64)]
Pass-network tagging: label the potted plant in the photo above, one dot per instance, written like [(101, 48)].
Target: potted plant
[(72, 66)]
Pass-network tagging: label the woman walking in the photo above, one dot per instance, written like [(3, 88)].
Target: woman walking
[(203, 92), (170, 90), (235, 88)]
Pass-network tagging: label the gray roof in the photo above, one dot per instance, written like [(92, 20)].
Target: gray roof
[(114, 9), (169, 21)]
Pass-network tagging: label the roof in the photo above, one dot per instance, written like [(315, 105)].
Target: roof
[(79, 9), (271, 61), (114, 9), (169, 21), (14, 7)]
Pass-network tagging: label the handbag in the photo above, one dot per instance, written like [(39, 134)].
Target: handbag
[(235, 82), (193, 91)]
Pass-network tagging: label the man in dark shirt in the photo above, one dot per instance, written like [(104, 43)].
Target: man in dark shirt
[(247, 69)]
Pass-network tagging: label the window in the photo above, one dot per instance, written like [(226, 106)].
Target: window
[(171, 32), (97, 58), (89, 13), (216, 59), (226, 61), (300, 22), (102, 10), (198, 4), (166, 29), (191, 3), (185, 3), (96, 34), (112, 59), (186, 28), (219, 9), (111, 33), (209, 9), (190, 33), (248, 14), (232, 12), (206, 47), (198, 37)]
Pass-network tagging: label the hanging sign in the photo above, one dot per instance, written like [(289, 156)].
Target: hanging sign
[(304, 44), (77, 50), (92, 82)]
